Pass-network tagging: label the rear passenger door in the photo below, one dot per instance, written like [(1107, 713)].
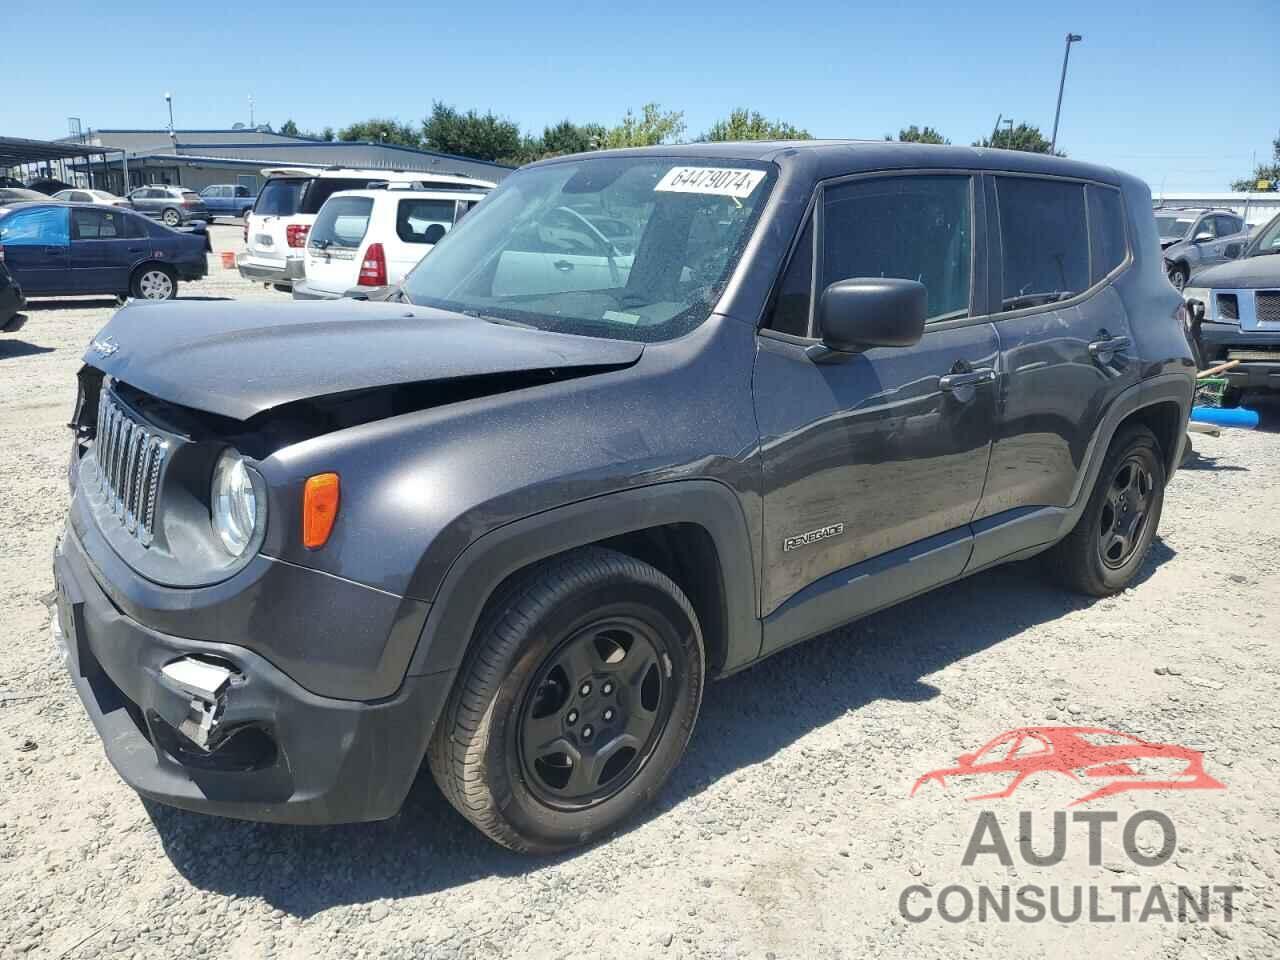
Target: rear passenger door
[(1065, 348), (102, 250), (873, 465)]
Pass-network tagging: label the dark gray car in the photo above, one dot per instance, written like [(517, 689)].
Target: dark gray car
[(510, 520), (173, 206), (1194, 239)]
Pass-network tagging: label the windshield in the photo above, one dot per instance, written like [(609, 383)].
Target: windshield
[(1172, 228), (629, 248), (1268, 240)]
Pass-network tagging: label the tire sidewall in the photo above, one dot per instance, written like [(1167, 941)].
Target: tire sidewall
[(165, 218), (548, 828), (135, 285), (1142, 443)]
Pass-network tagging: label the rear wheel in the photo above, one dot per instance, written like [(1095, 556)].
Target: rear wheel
[(154, 281), (1179, 275), (1110, 541), (575, 703), (171, 217)]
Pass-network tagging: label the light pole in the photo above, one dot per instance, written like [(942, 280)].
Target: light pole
[(1071, 38), (168, 99)]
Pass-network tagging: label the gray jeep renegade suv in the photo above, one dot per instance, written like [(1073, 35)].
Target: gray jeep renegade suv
[(509, 520)]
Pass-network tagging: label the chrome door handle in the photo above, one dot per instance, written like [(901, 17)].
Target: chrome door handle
[(971, 378), (1108, 347), (564, 266)]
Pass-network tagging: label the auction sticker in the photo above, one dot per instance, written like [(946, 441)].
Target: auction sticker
[(713, 181)]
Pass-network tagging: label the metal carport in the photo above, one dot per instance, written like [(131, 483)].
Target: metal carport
[(17, 153)]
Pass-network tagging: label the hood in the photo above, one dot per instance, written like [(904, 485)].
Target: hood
[(239, 359), (1243, 274)]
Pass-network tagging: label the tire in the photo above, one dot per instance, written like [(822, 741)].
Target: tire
[(1089, 559), (153, 281), (1178, 276), (171, 217), (567, 654), (1231, 397)]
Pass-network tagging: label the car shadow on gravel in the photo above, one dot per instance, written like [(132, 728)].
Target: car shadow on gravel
[(745, 720), (11, 349)]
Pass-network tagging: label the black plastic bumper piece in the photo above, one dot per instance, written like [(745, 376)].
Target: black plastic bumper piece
[(282, 755)]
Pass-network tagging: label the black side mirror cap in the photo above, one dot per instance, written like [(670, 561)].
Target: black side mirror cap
[(865, 312)]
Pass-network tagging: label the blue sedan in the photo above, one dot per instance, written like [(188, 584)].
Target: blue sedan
[(71, 249)]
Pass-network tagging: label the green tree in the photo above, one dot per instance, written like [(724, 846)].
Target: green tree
[(744, 125), (914, 134), (381, 130), (1263, 171), (568, 137), (326, 134), (471, 134), (290, 129), (1025, 136), (652, 127)]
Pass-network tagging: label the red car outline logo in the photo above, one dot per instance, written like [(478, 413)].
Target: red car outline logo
[(1066, 751)]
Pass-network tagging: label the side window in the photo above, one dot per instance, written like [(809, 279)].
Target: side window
[(423, 220), (81, 197), (1204, 229), (44, 226), (909, 227), (1044, 240), (1106, 231), (242, 191), (97, 225), (134, 226), (1228, 225), (795, 289)]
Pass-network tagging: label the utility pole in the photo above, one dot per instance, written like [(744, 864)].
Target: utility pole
[(1053, 141), (251, 124)]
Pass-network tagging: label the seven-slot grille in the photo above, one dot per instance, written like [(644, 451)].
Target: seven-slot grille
[(130, 460), (1267, 303)]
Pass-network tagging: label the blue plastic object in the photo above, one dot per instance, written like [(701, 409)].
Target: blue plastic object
[(1226, 416)]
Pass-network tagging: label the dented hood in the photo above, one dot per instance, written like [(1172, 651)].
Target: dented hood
[(239, 359)]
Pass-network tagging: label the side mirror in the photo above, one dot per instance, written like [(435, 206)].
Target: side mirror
[(1202, 237), (1232, 251), (872, 312)]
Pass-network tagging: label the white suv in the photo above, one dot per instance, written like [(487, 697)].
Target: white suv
[(275, 231), (371, 238)]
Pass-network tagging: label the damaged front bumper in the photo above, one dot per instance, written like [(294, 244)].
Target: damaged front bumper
[(216, 728)]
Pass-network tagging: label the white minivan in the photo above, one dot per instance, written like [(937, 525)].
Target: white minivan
[(372, 238), (275, 232)]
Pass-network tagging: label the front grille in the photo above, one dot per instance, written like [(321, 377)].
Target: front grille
[(131, 459), (1228, 307), (1267, 303)]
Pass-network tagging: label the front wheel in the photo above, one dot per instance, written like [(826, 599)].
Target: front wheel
[(1106, 548), (1178, 276), (575, 703), (171, 217), (154, 282)]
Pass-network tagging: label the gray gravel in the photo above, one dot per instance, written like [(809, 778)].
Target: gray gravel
[(787, 832)]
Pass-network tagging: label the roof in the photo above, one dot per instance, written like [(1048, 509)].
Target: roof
[(823, 159), (16, 150)]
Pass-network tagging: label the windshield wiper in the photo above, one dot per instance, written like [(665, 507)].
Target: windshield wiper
[(490, 318)]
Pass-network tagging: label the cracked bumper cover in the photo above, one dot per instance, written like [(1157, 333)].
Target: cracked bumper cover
[(280, 753)]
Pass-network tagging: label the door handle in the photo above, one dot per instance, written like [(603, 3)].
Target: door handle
[(564, 266), (1107, 347), (970, 378)]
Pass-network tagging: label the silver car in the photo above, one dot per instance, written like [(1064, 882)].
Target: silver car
[(1195, 238), (172, 205)]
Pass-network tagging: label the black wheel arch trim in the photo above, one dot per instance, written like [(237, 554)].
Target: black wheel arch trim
[(487, 561)]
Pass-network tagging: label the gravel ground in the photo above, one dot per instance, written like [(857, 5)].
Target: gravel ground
[(789, 830)]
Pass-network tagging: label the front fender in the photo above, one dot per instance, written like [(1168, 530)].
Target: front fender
[(492, 558)]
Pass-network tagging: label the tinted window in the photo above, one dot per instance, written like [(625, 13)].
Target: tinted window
[(414, 217), (1045, 240), (342, 223), (912, 228), (188, 195), (322, 189), (79, 196), (795, 290), (1228, 225), (1106, 231), (135, 226), (42, 226), (242, 191), (97, 225), (280, 197)]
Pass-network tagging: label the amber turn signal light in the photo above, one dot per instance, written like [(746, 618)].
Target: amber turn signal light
[(319, 509)]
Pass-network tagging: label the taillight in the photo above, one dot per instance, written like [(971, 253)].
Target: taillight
[(1, 254), (296, 234), (373, 271)]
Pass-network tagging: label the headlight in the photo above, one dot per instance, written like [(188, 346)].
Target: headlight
[(233, 505)]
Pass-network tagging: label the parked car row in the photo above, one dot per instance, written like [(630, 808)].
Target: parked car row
[(1194, 238), (277, 251)]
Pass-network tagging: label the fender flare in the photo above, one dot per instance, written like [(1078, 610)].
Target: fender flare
[(1176, 387), (493, 557)]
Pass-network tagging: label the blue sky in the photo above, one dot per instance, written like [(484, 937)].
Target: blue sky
[(1180, 93)]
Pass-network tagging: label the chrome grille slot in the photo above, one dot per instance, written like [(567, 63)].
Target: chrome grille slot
[(130, 458)]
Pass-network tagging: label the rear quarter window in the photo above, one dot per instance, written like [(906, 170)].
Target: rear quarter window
[(415, 218), (342, 223), (1106, 231), (280, 197)]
